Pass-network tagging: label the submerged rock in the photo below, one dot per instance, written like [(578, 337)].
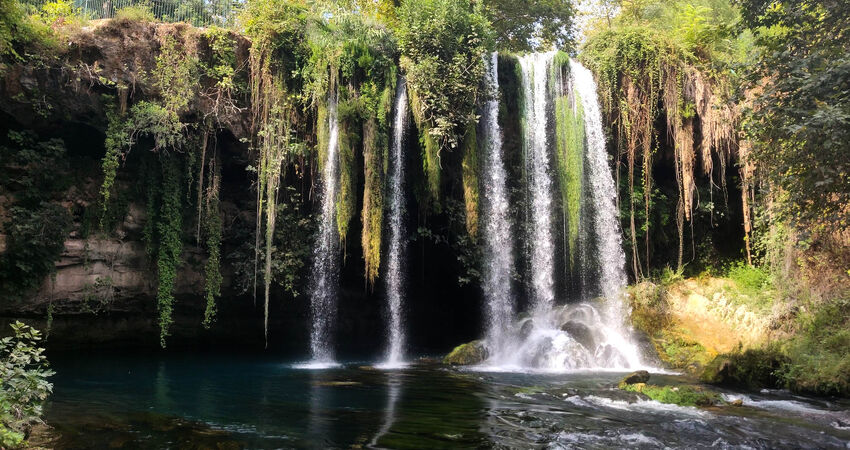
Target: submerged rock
[(467, 354), (641, 376)]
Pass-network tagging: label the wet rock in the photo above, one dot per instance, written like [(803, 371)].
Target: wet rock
[(641, 376), (737, 402), (467, 354), (580, 332)]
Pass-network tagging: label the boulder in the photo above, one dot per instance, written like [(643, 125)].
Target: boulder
[(580, 332), (641, 376), (467, 354)]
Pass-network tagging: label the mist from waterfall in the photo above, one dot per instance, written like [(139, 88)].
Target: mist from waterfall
[(498, 234), (579, 332), (535, 71), (324, 282), (396, 253)]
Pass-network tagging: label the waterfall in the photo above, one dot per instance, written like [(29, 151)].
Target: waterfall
[(325, 254), (535, 70), (396, 254), (498, 236), (580, 333), (610, 254)]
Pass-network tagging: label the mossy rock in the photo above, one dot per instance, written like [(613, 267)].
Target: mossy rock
[(676, 395), (641, 376), (750, 369), (467, 354)]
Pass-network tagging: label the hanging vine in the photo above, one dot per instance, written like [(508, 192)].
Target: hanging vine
[(639, 71), (212, 229)]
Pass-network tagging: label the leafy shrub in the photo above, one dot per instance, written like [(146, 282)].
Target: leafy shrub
[(31, 168), (749, 279), (23, 384), (60, 12), (134, 13), (820, 354), (35, 240)]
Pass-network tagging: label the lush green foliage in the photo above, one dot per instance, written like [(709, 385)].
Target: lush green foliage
[(670, 60), (169, 229), (820, 353), (23, 384), (531, 24), (676, 395), (442, 43), (159, 120), (570, 145), (36, 238), (20, 34), (292, 246), (135, 13), (33, 173), (800, 119)]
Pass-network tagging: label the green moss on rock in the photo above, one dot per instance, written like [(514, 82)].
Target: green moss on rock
[(676, 395), (467, 354)]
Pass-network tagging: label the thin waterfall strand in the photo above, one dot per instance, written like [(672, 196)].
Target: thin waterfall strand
[(611, 257), (325, 254), (498, 235), (536, 142), (396, 253)]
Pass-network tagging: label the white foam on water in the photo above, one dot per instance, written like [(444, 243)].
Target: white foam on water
[(316, 365), (392, 365), (645, 405), (841, 422)]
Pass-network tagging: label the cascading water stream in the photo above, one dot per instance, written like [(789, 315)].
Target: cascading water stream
[(395, 255), (535, 69), (325, 254), (611, 257), (498, 236)]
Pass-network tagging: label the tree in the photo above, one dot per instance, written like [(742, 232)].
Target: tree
[(523, 25), (799, 122)]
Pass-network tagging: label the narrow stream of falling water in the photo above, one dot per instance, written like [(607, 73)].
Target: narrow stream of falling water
[(396, 254), (325, 254), (498, 233)]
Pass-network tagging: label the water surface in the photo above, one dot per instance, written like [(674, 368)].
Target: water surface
[(258, 401)]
